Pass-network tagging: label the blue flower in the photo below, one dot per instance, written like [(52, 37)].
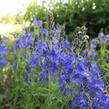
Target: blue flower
[(106, 103), (56, 47), (3, 50), (41, 47), (63, 79), (83, 102), (53, 56), (73, 57), (27, 77), (95, 87), (44, 78), (57, 31), (41, 76), (37, 23), (66, 84), (86, 53), (3, 62), (93, 43), (35, 60), (96, 104), (93, 55), (66, 44), (49, 66), (95, 69), (44, 31), (5, 39), (101, 36), (78, 79), (107, 39), (75, 103), (81, 66), (62, 56), (24, 42), (17, 45)]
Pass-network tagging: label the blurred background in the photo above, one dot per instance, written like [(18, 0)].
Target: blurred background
[(94, 14)]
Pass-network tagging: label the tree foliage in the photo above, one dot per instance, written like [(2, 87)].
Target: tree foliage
[(94, 14)]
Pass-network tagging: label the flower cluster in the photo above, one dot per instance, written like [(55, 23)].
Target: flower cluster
[(56, 61), (103, 38), (3, 53)]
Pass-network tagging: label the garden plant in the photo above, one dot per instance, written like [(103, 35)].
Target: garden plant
[(47, 71)]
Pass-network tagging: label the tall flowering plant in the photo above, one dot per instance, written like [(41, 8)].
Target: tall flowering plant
[(49, 72)]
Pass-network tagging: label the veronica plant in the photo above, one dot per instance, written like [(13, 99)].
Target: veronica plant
[(53, 73)]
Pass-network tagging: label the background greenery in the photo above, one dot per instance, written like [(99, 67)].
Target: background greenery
[(94, 14)]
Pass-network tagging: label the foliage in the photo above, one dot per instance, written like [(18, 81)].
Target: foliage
[(35, 10), (103, 59), (12, 19), (91, 13)]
